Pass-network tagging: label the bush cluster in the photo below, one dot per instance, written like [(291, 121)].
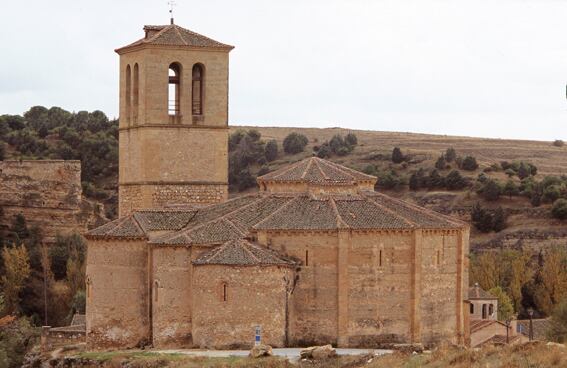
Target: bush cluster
[(486, 220), (434, 180), (338, 145)]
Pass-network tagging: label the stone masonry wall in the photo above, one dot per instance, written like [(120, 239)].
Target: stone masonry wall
[(171, 296), (255, 297), (117, 294), (379, 288), (133, 197), (314, 303), (438, 291), (46, 192)]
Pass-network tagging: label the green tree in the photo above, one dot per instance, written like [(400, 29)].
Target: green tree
[(271, 150), (558, 323), (505, 307), (16, 271), (469, 163), (455, 181), (2, 151), (397, 155), (336, 143), (441, 163), (491, 190), (559, 209), (498, 220), (524, 171), (510, 189), (351, 139), (294, 143), (481, 218), (324, 151), (450, 154)]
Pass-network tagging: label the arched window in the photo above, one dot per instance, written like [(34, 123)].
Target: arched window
[(197, 87), (128, 95), (174, 89), (136, 91)]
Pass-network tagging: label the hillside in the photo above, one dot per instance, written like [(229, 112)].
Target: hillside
[(375, 148)]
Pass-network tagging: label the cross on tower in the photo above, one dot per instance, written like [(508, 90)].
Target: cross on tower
[(171, 4)]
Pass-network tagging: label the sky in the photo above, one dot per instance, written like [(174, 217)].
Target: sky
[(485, 68)]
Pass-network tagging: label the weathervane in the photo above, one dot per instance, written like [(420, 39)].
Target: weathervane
[(171, 4)]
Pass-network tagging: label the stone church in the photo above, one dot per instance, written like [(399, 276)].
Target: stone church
[(315, 256)]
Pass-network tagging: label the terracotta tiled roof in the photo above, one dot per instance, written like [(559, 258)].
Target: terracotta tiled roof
[(156, 220), (476, 292), (174, 35), (235, 218), (541, 326), (240, 252), (317, 171), (126, 227)]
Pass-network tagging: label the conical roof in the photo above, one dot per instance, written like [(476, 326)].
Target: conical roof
[(174, 35), (315, 170)]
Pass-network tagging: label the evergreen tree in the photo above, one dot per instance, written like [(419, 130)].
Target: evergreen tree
[(469, 163), (295, 143), (271, 150), (441, 163), (498, 220), (559, 209), (351, 139), (450, 154), (510, 188), (491, 190), (397, 156), (455, 181)]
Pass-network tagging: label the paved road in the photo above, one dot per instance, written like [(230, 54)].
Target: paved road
[(290, 353)]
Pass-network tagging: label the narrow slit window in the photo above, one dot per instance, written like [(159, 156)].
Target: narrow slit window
[(136, 91), (174, 89), (89, 284), (156, 291), (224, 292), (380, 258), (197, 89), (307, 258), (128, 96), (438, 258), (472, 308)]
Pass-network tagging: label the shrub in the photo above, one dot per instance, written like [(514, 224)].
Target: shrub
[(271, 150), (351, 139), (510, 189), (397, 155), (559, 209), (441, 163), (491, 190), (450, 154), (2, 151), (469, 163), (558, 323), (558, 143), (455, 181), (295, 143), (324, 151)]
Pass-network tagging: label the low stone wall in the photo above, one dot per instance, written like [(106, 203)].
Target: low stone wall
[(53, 338)]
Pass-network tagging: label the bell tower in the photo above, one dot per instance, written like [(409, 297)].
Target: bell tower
[(173, 131)]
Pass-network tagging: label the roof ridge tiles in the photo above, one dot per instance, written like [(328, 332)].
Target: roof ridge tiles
[(341, 224), (317, 161)]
